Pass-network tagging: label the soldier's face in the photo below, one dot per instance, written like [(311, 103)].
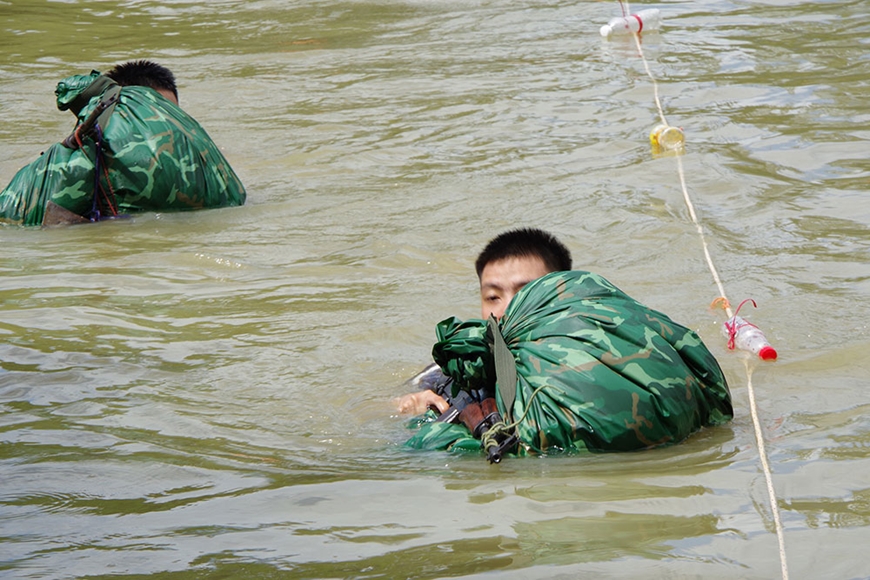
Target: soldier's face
[(501, 280)]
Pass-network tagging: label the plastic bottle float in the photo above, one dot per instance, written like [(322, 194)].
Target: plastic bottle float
[(746, 336), (649, 19)]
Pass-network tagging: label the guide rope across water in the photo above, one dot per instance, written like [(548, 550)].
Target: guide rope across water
[(669, 140)]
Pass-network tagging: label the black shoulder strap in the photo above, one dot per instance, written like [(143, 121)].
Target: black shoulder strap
[(110, 99), (505, 369)]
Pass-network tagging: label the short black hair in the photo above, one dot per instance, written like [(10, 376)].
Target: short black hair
[(144, 73), (526, 242)]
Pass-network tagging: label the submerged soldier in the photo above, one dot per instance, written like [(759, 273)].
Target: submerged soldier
[(133, 150), (562, 360)]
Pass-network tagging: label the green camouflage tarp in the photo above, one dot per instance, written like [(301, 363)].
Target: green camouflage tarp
[(596, 370), (155, 157)]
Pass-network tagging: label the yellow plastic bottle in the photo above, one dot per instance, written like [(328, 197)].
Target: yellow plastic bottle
[(667, 138)]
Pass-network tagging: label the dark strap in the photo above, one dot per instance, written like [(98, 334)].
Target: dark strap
[(505, 369), (110, 97)]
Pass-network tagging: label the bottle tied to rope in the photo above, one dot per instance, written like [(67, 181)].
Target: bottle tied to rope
[(746, 336), (667, 138), (649, 19)]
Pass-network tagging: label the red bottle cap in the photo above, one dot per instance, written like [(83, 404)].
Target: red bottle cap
[(767, 353)]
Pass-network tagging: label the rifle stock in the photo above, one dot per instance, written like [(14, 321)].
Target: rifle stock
[(480, 418)]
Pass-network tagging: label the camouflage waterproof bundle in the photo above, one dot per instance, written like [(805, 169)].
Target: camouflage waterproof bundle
[(145, 154), (594, 370)]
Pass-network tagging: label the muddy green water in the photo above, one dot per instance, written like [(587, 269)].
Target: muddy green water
[(206, 395)]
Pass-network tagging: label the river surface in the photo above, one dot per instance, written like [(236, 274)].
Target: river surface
[(207, 394)]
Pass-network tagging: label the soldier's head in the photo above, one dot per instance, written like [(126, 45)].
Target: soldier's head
[(513, 259), (145, 73)]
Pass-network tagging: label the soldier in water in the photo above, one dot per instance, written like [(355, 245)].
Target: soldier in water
[(562, 360), (134, 149)]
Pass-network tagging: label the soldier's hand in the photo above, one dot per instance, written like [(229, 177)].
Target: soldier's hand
[(417, 403)]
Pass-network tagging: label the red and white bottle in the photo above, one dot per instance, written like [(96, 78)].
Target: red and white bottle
[(746, 336), (649, 19)]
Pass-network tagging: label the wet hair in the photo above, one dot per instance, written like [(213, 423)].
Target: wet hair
[(144, 73), (525, 242)]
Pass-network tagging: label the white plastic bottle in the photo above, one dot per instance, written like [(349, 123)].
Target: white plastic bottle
[(649, 19), (746, 336)]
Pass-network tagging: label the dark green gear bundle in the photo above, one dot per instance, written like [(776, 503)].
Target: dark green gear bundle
[(583, 367), (140, 153)]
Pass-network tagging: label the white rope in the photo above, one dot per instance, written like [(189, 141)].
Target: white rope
[(753, 409), (700, 229), (768, 478)]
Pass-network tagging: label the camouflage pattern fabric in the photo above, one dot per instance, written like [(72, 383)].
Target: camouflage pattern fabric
[(596, 370), (155, 157)]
